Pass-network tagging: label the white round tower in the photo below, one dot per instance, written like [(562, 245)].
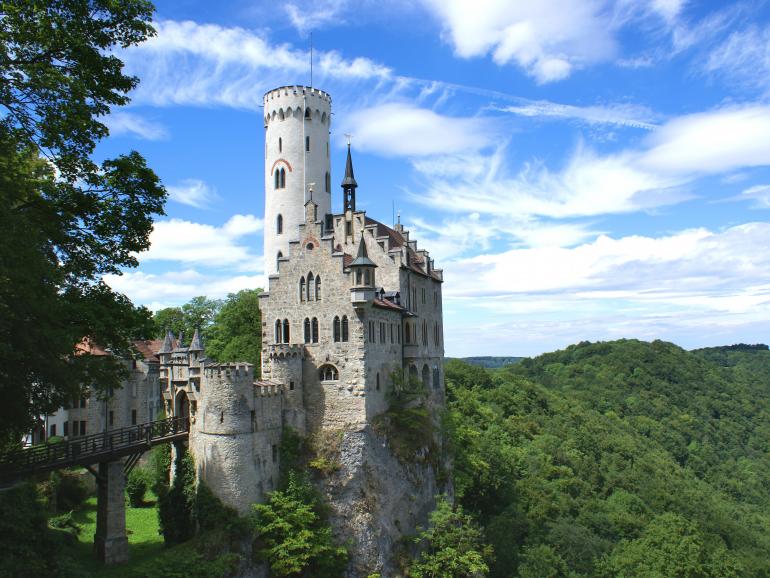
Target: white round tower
[(297, 122)]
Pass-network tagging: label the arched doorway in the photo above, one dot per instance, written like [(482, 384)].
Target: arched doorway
[(182, 408)]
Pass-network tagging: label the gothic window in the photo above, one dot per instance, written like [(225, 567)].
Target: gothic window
[(328, 182), (286, 331), (277, 176), (279, 224), (358, 277), (318, 288), (310, 287), (282, 183), (307, 113), (382, 332), (302, 289), (307, 144), (436, 378), (344, 328), (280, 145), (336, 329), (315, 330), (398, 335), (281, 116), (278, 258), (425, 332), (328, 373), (425, 375), (307, 330), (278, 337)]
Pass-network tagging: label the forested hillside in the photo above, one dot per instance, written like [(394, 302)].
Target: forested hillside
[(618, 459)]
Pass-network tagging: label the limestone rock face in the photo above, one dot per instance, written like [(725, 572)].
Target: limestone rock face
[(375, 500)]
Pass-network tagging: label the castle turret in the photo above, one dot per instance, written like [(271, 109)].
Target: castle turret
[(297, 122), (362, 272)]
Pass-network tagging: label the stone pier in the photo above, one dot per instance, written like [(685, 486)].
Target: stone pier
[(110, 541)]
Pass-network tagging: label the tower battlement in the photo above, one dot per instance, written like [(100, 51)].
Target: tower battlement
[(296, 90)]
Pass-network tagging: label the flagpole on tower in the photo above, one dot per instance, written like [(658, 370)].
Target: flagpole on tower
[(311, 60)]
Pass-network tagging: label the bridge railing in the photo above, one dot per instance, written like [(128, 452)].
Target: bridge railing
[(80, 450)]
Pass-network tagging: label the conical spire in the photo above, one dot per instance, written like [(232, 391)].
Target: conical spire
[(196, 344), (349, 185), (362, 258), (349, 180), (168, 343)]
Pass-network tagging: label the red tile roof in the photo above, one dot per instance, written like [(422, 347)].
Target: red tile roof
[(385, 304), (149, 348)]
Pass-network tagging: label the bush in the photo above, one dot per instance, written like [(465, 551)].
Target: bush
[(136, 487), (176, 503), (65, 491)]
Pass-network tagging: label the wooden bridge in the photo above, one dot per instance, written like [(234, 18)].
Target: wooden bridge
[(108, 450)]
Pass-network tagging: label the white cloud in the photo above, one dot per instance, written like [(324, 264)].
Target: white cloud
[(199, 244), (760, 194), (616, 114), (306, 17), (691, 286), (192, 192), (548, 39), (743, 58), (122, 123), (657, 173), (173, 288), (402, 129), (204, 64)]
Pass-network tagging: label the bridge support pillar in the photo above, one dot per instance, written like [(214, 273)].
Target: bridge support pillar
[(110, 541)]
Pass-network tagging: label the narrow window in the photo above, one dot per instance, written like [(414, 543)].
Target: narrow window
[(278, 258), (336, 329), (280, 145), (53, 430), (112, 417), (66, 428), (279, 224), (344, 328), (315, 330), (398, 335), (318, 288), (310, 286), (291, 386), (275, 453), (328, 182), (83, 427), (307, 144), (307, 113), (133, 416), (277, 176), (253, 420), (286, 331), (307, 330), (302, 289), (378, 381), (283, 178), (407, 334)]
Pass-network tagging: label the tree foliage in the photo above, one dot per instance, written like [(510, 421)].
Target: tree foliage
[(617, 459), (236, 333), (452, 546), (67, 220), (294, 539)]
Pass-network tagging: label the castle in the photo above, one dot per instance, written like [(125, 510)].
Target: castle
[(352, 304)]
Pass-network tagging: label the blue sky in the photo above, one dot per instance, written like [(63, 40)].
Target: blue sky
[(581, 169)]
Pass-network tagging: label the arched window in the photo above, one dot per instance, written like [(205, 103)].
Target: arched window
[(277, 176), (328, 373), (281, 115), (310, 287), (286, 331), (279, 224), (301, 288), (344, 328), (336, 331), (436, 378), (328, 182), (413, 377), (307, 144), (283, 178), (278, 258), (307, 113), (278, 337), (315, 330), (425, 375), (367, 278), (307, 330), (407, 333), (280, 145), (318, 288)]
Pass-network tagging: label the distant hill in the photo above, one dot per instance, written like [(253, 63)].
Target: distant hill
[(488, 361), (621, 458)]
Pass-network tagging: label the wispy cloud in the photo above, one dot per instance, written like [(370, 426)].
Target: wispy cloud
[(307, 17), (181, 241), (127, 123), (758, 194), (192, 192), (205, 64), (634, 116), (743, 58), (402, 129)]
